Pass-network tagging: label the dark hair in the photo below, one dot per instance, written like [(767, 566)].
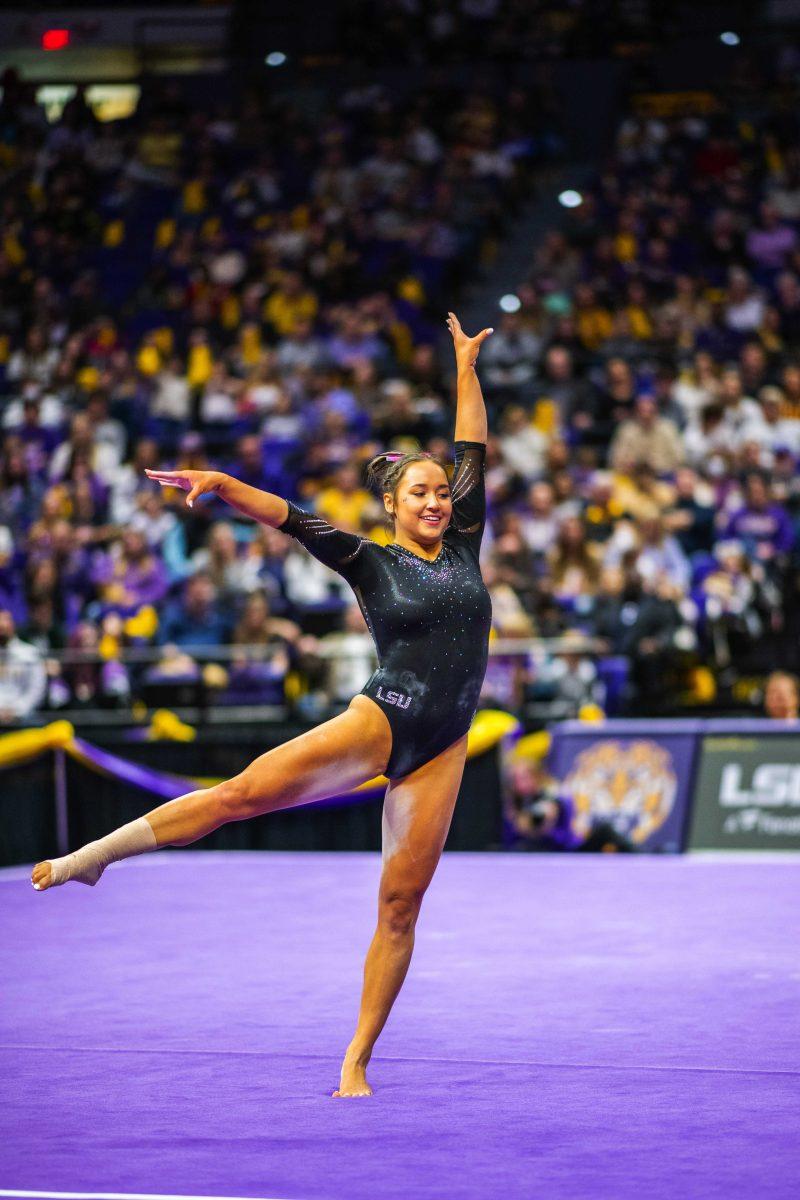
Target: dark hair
[(385, 471)]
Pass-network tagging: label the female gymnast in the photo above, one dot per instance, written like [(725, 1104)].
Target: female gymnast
[(429, 614)]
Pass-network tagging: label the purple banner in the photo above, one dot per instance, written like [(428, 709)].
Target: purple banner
[(637, 775)]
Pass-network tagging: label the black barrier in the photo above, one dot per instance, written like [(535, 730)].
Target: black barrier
[(97, 804)]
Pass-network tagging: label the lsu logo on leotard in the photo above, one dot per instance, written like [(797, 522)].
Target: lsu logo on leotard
[(633, 787), (396, 698)]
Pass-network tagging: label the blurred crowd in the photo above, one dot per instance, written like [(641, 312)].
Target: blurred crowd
[(260, 285), (260, 289)]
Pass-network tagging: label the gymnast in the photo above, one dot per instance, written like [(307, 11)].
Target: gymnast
[(429, 614)]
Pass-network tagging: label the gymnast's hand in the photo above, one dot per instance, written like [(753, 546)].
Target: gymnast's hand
[(196, 483), (467, 348)]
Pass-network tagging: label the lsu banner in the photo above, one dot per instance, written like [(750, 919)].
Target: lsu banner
[(747, 795), (636, 775)]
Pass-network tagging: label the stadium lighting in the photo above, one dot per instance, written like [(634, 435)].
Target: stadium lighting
[(510, 303), (276, 58), (729, 38), (570, 198)]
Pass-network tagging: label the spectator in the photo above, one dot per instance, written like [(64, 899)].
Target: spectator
[(345, 503), (739, 603), (770, 243), (129, 575), (647, 438), (573, 562), (349, 657), (690, 519), (511, 357), (196, 619), (102, 458), (660, 556), (782, 697), (289, 304), (763, 527), (744, 311), (571, 398), (540, 525), (221, 561), (23, 681), (522, 445)]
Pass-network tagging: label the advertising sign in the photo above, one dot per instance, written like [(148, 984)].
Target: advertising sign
[(747, 795), (637, 775)]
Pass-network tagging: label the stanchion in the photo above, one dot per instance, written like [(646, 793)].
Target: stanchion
[(60, 781)]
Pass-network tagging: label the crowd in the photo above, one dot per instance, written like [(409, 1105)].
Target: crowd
[(650, 378), (260, 288), (259, 284)]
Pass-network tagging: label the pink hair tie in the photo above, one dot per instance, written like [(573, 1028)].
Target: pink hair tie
[(393, 457)]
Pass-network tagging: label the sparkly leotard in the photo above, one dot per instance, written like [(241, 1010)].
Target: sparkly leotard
[(429, 619)]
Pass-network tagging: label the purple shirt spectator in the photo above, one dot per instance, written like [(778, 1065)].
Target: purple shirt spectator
[(765, 532), (135, 578)]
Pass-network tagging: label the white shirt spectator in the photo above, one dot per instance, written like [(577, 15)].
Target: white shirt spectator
[(540, 533), (747, 314), (23, 680), (172, 398), (51, 412), (39, 367), (105, 461), (745, 421), (352, 661), (702, 445), (785, 199), (217, 405), (307, 580), (228, 267), (154, 528), (125, 485), (691, 397), (524, 451), (111, 435)]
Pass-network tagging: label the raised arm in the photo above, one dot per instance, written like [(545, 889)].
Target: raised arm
[(264, 507), (471, 424)]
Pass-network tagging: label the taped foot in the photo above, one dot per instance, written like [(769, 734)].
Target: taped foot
[(55, 871), (87, 864)]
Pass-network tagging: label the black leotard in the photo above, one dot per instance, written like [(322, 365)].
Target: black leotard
[(429, 620)]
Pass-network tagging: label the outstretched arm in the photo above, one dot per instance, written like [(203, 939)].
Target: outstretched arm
[(333, 547), (264, 507), (471, 425)]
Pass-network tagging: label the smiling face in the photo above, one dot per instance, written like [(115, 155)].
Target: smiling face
[(421, 504)]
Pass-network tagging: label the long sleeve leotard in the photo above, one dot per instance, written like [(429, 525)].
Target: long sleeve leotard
[(429, 620)]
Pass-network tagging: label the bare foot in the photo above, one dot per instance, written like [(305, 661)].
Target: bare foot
[(41, 876), (354, 1078)]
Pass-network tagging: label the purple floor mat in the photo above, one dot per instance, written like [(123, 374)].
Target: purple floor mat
[(572, 1027)]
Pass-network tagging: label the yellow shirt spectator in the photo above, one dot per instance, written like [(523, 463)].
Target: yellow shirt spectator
[(290, 303), (343, 508), (595, 326)]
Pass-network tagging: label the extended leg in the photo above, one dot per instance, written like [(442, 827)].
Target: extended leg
[(416, 817), (335, 756)]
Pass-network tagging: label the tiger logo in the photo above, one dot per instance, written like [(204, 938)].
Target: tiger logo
[(633, 786)]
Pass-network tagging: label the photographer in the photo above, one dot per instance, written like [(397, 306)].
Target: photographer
[(539, 814)]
